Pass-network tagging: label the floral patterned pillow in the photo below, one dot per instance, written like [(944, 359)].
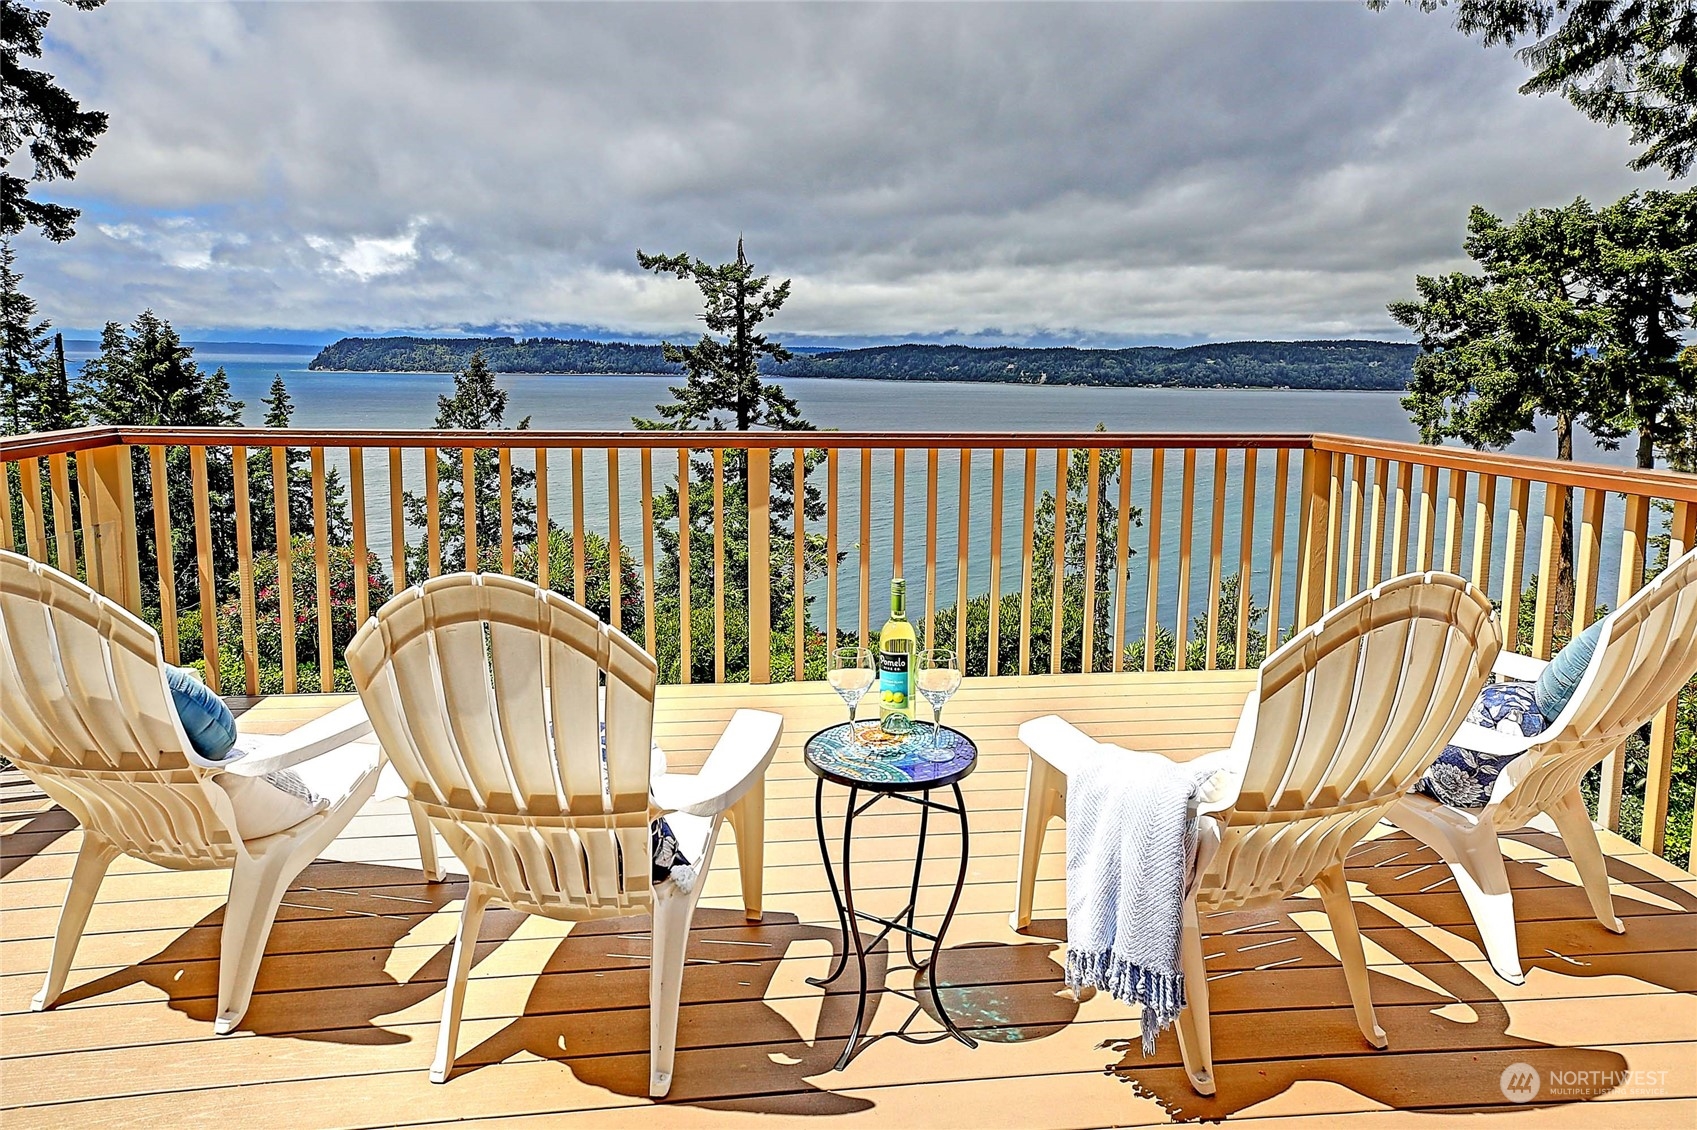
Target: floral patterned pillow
[(1464, 777)]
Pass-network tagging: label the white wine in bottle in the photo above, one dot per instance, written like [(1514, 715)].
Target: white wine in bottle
[(896, 647)]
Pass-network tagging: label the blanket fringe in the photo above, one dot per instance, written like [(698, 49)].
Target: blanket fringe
[(1160, 995)]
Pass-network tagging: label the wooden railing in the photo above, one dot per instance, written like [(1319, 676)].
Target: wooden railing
[(1201, 548)]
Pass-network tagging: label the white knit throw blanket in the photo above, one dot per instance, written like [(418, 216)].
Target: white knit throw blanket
[(1130, 836)]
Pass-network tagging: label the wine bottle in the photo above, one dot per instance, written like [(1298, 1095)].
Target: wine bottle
[(896, 647)]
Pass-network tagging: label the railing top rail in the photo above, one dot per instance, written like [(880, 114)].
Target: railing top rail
[(1662, 484)]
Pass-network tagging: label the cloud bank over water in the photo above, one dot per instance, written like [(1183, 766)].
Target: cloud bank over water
[(1099, 173)]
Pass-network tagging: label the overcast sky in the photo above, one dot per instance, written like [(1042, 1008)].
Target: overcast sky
[(1106, 173)]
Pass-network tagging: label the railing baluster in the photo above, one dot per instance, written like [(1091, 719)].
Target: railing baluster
[(1334, 530), (962, 543), (1057, 617), (35, 520), (1311, 570), (1187, 509), (1544, 610), (646, 471), (64, 529), (930, 547), (1428, 518), (1400, 515), (508, 549), (286, 561), (356, 504), (1122, 558), (718, 564), (1276, 565), (992, 660), (544, 540), (1092, 492), (831, 462), (1634, 539), (397, 522), (1514, 561), (1682, 531), (685, 617), (1152, 590), (321, 555), (1376, 524), (1484, 532), (6, 518), (1245, 562), (580, 551), (1028, 564), (1216, 553), (163, 552), (432, 514), (1354, 576), (759, 463), (865, 545), (1588, 561), (898, 514), (615, 566), (244, 569), (1454, 509), (468, 507), (798, 566), (204, 572)]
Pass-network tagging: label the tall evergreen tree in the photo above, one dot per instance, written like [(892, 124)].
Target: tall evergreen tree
[(144, 376), (478, 404), (279, 413), (38, 112), (723, 390), (21, 346)]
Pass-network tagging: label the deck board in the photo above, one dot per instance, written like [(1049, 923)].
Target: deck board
[(344, 1014)]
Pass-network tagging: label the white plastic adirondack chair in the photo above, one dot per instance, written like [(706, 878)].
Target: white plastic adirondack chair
[(1647, 650), (486, 693), (88, 717), (1343, 718)]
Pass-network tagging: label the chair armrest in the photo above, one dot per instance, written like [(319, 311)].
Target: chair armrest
[(1518, 668), (1497, 743), (267, 753), (1056, 741), (738, 761)]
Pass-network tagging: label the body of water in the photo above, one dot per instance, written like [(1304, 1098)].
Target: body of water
[(554, 401)]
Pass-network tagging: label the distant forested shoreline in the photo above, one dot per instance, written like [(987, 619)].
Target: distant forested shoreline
[(1341, 365)]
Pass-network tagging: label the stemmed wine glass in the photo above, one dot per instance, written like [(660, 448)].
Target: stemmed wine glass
[(851, 676), (938, 679)]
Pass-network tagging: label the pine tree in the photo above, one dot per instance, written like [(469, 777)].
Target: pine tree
[(43, 115), (279, 413), (723, 390), (22, 345), (477, 404)]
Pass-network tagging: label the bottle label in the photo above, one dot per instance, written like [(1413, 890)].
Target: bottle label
[(893, 679)]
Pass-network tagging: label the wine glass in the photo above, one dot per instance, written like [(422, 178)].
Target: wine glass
[(850, 674), (938, 680)]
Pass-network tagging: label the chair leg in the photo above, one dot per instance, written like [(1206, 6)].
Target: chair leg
[(748, 821), (1195, 1026), (1580, 836), (257, 886), (465, 945), (1484, 884), (93, 858), (1045, 790), (1340, 909), (665, 984), (427, 857)]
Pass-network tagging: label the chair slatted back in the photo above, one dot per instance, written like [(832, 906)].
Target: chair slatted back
[(89, 718), (1646, 652), (487, 694), (1345, 716)]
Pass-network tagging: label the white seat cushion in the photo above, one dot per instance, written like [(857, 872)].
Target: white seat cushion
[(270, 804)]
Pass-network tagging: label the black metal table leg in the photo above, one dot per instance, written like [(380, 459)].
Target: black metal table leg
[(841, 959)]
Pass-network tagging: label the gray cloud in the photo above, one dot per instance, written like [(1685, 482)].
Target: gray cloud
[(1118, 170)]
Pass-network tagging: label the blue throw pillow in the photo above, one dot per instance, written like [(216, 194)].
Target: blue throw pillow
[(1560, 679), (207, 721), (1464, 778)]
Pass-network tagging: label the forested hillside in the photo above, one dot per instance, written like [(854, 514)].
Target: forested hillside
[(1246, 364)]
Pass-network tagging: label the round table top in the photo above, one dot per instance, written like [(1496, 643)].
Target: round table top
[(889, 765)]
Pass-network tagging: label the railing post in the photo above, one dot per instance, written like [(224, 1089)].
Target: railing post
[(759, 565), (1315, 520), (114, 559), (1681, 533)]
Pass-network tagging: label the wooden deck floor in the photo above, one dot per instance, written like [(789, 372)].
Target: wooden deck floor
[(344, 1020)]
